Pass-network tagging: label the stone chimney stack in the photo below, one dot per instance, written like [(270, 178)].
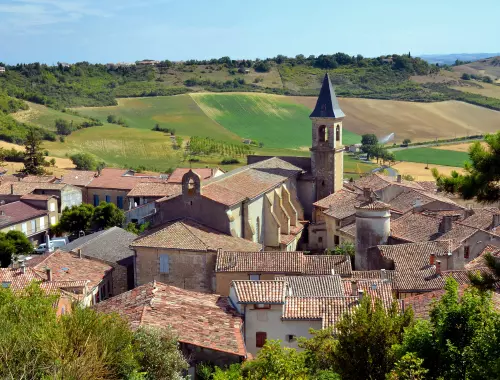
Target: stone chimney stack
[(446, 224), (12, 189), (496, 220), (48, 272), (79, 253), (399, 178), (432, 259), (383, 274), (367, 194), (354, 288), (23, 267), (438, 268)]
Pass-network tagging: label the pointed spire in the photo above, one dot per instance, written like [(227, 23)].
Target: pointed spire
[(327, 104)]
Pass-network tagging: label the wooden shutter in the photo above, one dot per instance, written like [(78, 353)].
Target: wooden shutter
[(164, 264), (260, 338)]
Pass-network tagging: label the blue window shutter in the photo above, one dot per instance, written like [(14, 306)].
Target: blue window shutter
[(119, 200), (108, 199), (164, 264), (96, 200)]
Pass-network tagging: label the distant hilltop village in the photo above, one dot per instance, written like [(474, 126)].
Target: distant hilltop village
[(232, 259)]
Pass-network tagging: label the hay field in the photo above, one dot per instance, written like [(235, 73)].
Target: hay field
[(490, 90), (462, 147), (416, 121), (420, 173)]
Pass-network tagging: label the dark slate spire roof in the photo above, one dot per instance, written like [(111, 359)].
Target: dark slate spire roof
[(327, 104)]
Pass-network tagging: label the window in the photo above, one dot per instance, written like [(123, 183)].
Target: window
[(33, 226), (320, 240), (336, 239), (254, 277), (42, 223), (466, 251), (24, 228), (337, 133), (52, 207), (108, 199), (322, 133), (291, 338), (96, 200), (164, 264), (260, 339), (52, 220), (119, 201)]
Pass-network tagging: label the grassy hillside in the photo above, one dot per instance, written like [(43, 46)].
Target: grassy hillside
[(483, 67), (276, 121), (433, 156)]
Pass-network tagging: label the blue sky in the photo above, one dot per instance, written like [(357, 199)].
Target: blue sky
[(123, 30)]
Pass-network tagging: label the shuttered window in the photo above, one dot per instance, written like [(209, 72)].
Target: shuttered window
[(119, 201), (260, 339), (108, 199), (96, 200), (164, 264)]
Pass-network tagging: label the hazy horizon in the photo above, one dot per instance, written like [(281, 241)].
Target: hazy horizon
[(111, 31)]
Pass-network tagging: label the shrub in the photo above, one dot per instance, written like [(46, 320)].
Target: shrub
[(83, 161), (229, 161)]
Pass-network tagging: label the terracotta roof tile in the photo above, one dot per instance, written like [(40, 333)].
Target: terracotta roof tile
[(248, 181), (187, 234), (481, 218), (116, 179), (416, 227), (199, 319), (377, 181), (16, 188), (67, 266), (177, 174), (282, 262), (16, 279), (426, 278), (310, 286), (341, 204), (36, 197), (373, 275), (375, 288), (155, 189), (38, 178), (374, 205), (15, 212), (268, 292), (77, 177)]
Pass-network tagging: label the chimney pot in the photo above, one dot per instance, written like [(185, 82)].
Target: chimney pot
[(399, 178), (432, 259), (446, 224), (23, 267), (354, 288), (79, 253), (361, 293), (48, 272), (367, 194), (438, 268), (383, 274), (12, 189)]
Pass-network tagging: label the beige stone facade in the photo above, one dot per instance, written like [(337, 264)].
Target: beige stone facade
[(96, 196)]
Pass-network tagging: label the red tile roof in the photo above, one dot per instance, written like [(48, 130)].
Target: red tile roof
[(36, 197), (38, 178), (16, 188), (416, 227), (314, 286), (155, 189), (67, 266), (282, 262), (199, 319), (77, 177), (187, 234), (15, 212), (481, 218), (268, 292), (177, 174), (116, 179)]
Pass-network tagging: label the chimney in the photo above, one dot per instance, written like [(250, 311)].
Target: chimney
[(48, 272), (23, 267), (354, 288), (367, 194), (383, 274), (446, 224), (79, 250), (12, 189), (496, 220), (361, 293), (399, 178), (432, 259), (438, 268)]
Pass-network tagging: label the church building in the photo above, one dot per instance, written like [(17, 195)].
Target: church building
[(269, 201)]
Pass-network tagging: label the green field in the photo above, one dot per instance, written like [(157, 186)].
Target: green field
[(44, 117), (274, 120), (433, 156)]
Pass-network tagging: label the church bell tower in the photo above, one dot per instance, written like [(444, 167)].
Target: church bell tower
[(327, 151)]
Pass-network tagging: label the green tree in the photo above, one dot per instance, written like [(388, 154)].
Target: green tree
[(369, 144), (107, 215), (363, 348), (64, 127), (84, 161), (461, 341), (465, 76), (406, 141), (33, 158), (481, 176), (76, 218), (20, 241), (7, 251), (409, 367)]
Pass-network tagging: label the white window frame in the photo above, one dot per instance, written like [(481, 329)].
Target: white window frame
[(52, 207), (53, 220), (42, 223), (24, 228)]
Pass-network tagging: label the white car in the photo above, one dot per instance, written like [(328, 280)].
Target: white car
[(54, 244)]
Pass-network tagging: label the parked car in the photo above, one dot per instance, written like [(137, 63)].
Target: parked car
[(54, 244), (42, 248)]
